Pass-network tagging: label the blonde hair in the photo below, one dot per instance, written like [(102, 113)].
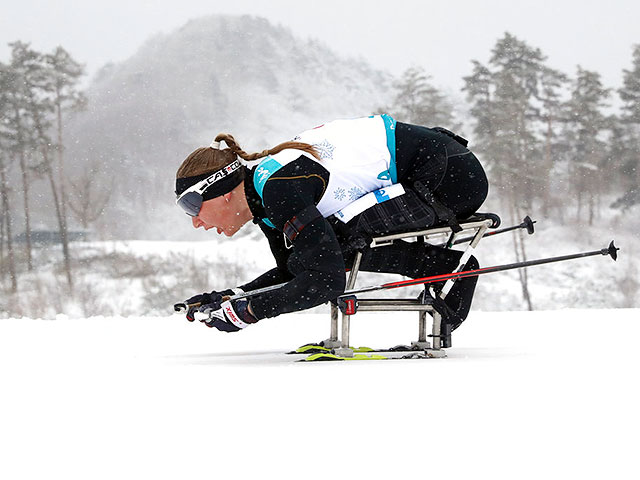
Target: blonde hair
[(206, 159)]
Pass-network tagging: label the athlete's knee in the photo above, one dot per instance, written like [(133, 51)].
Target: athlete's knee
[(472, 263)]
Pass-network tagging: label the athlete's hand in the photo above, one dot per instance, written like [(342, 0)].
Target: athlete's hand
[(232, 316), (206, 302)]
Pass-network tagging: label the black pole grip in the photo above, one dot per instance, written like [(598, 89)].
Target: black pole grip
[(612, 251), (528, 224)]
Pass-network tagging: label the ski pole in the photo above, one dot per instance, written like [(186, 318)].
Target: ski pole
[(527, 224), (612, 251), (181, 307)]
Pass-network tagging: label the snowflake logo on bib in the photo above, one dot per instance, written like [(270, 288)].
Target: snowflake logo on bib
[(355, 193), (339, 194), (325, 149)]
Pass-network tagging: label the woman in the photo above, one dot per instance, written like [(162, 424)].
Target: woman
[(318, 198)]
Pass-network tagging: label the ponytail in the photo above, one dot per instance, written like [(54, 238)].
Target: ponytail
[(209, 159), (235, 148)]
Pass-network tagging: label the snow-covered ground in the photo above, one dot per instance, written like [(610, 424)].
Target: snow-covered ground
[(522, 395)]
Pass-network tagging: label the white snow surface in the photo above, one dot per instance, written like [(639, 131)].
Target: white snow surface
[(524, 395)]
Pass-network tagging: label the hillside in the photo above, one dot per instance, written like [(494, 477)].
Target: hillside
[(239, 74)]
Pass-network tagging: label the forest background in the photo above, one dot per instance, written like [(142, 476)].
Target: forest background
[(88, 166)]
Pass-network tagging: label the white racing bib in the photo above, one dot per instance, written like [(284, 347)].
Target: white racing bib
[(358, 153)]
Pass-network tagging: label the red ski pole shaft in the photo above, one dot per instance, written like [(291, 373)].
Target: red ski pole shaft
[(611, 251)]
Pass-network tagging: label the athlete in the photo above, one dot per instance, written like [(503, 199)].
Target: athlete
[(319, 198)]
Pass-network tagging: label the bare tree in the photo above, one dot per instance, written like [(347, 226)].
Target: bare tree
[(89, 200)]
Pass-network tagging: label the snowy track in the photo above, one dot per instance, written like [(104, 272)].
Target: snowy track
[(522, 395)]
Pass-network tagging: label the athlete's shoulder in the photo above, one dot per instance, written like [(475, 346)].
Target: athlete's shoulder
[(286, 165)]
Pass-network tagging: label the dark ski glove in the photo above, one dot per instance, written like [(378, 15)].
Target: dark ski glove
[(206, 302), (232, 316)]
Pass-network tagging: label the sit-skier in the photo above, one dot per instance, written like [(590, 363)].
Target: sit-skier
[(319, 197)]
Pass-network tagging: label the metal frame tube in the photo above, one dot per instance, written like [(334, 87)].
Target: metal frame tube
[(381, 307), (351, 282), (465, 257), (396, 302), (437, 324), (381, 241), (333, 336), (422, 327)]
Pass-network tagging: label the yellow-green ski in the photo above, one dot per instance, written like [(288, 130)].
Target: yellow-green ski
[(330, 357)]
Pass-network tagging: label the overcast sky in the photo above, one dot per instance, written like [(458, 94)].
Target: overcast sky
[(442, 36)]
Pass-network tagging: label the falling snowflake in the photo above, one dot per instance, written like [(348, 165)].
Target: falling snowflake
[(355, 193), (325, 149), (339, 194)]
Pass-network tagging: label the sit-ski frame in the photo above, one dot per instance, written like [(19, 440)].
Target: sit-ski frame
[(349, 303), (340, 344)]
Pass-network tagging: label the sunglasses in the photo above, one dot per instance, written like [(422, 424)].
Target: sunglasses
[(191, 199)]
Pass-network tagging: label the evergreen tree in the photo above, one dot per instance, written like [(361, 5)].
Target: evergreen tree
[(517, 70), (65, 73), (5, 212), (586, 127), (19, 130), (37, 87), (5, 223), (479, 88), (551, 113), (630, 92), (504, 98), (622, 158), (630, 95), (418, 102)]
